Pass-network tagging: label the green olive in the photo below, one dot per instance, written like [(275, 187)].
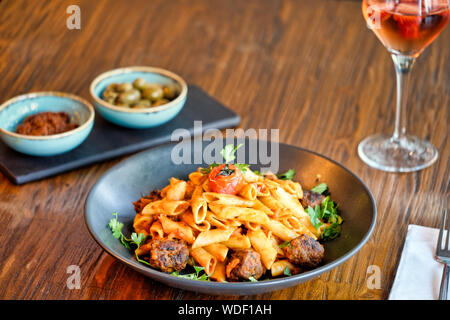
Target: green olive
[(111, 101), (139, 83), (109, 95), (111, 87), (130, 96), (153, 92), (171, 91), (126, 86), (122, 104), (160, 102), (141, 104)]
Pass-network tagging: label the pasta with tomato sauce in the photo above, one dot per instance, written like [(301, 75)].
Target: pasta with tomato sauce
[(234, 224)]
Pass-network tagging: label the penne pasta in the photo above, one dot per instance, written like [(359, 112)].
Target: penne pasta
[(250, 176), (219, 272), (280, 230), (276, 245), (279, 267), (211, 236), (272, 184), (250, 225), (205, 186), (261, 189), (156, 230), (178, 229), (260, 206), (177, 189), (189, 190), (237, 241), (292, 187), (293, 223), (230, 212), (218, 250), (199, 205), (270, 202), (249, 192), (211, 218), (253, 216), (204, 259), (188, 218), (169, 207), (141, 224), (197, 178), (227, 200), (263, 246), (294, 205)]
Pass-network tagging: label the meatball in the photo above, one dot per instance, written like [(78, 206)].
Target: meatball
[(311, 199), (244, 264), (304, 251), (169, 255)]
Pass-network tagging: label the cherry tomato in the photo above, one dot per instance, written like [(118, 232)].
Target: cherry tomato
[(225, 178)]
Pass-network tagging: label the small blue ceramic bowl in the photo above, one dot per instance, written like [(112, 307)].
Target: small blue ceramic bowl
[(15, 110), (138, 118)]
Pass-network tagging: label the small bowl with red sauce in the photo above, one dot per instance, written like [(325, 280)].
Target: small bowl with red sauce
[(45, 123)]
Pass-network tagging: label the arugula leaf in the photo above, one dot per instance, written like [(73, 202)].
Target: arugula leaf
[(138, 240), (203, 277), (320, 188), (115, 226), (331, 232), (185, 276), (252, 279), (228, 152), (142, 261), (285, 244), (287, 272), (315, 215), (288, 175), (326, 213), (193, 276), (257, 172), (198, 269), (125, 242), (329, 210)]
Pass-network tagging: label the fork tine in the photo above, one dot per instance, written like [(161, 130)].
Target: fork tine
[(441, 234), (448, 230)]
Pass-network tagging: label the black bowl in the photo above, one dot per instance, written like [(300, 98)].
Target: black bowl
[(151, 169)]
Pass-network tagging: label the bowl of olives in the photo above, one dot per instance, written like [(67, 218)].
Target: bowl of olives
[(139, 97)]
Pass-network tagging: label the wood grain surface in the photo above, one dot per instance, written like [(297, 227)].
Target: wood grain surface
[(310, 68)]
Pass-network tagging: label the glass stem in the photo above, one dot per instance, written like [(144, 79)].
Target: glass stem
[(403, 65)]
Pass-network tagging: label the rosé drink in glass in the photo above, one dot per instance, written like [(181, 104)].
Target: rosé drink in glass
[(405, 28)]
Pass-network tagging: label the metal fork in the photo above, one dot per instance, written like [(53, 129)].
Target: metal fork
[(443, 254)]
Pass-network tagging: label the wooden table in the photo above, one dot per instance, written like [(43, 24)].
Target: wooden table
[(310, 68)]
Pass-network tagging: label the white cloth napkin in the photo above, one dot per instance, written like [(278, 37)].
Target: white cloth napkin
[(419, 274)]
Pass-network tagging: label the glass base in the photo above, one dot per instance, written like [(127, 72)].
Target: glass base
[(406, 154)]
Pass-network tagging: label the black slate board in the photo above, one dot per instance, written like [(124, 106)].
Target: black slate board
[(107, 140)]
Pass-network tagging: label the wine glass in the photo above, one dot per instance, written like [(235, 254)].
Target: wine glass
[(406, 28)]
